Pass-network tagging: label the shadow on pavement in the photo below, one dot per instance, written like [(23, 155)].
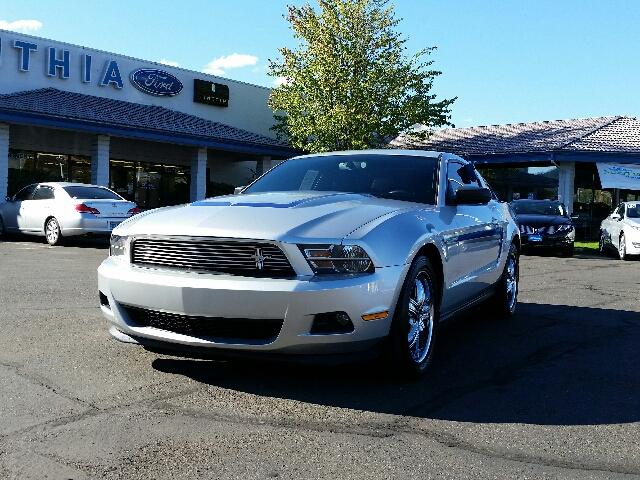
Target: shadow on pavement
[(97, 242), (549, 365)]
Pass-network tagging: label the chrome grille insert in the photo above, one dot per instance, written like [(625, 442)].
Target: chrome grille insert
[(212, 255)]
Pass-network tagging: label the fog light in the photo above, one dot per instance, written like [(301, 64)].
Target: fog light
[(104, 301), (331, 322)]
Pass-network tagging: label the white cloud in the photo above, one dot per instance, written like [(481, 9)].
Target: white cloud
[(219, 65), (280, 81), (23, 26), (170, 63)]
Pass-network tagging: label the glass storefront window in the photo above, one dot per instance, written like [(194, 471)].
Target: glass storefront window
[(513, 183), (26, 167), (150, 185)]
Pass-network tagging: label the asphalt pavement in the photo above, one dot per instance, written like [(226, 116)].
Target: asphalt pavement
[(552, 393)]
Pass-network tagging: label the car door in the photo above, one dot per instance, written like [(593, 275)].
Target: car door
[(14, 211), (40, 207), (471, 238)]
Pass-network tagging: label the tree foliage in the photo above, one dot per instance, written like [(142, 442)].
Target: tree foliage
[(349, 83)]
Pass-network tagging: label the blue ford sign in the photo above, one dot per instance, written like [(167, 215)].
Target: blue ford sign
[(156, 82)]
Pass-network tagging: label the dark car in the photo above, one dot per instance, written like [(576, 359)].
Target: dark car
[(544, 224)]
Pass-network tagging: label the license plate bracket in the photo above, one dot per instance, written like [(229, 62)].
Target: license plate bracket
[(535, 238)]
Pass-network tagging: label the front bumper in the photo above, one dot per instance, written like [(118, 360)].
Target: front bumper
[(632, 241), (295, 301), (548, 241)]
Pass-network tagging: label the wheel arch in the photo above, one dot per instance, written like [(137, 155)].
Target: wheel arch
[(431, 252)]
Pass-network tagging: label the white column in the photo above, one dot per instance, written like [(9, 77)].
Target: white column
[(100, 160), (4, 160), (263, 165), (566, 178), (199, 174)]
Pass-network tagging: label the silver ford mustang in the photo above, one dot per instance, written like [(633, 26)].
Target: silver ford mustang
[(324, 254)]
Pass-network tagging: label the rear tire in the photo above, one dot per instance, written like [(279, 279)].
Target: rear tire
[(414, 326), (3, 232), (52, 232), (505, 300)]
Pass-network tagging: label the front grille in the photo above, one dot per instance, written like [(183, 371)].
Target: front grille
[(247, 258), (547, 230), (222, 330)]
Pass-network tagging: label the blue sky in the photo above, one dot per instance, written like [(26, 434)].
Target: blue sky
[(506, 61)]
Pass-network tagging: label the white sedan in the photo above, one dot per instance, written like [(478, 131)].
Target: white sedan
[(58, 209), (324, 254), (621, 230)]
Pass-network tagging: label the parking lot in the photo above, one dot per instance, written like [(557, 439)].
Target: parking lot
[(552, 393)]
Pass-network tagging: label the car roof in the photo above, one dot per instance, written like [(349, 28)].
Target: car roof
[(388, 151), (71, 184)]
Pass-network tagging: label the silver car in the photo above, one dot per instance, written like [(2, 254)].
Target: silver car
[(324, 254), (56, 210), (621, 230)]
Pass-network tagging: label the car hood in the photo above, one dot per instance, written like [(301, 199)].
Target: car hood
[(542, 220), (282, 216)]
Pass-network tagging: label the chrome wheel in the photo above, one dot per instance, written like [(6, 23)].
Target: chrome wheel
[(511, 281), (52, 231), (421, 313)]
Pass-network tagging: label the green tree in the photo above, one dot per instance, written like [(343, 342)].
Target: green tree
[(350, 84)]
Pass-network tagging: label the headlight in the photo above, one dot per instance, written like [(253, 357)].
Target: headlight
[(118, 245), (337, 258), (563, 229)]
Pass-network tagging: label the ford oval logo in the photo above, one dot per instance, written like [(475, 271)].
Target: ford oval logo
[(156, 82)]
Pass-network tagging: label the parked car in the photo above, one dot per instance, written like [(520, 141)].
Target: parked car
[(544, 224), (621, 230), (56, 210), (324, 254)]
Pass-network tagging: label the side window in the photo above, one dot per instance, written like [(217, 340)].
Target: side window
[(43, 193), (25, 193)]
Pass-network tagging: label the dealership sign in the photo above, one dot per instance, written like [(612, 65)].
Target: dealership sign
[(156, 82), (624, 176), (210, 93), (60, 63)]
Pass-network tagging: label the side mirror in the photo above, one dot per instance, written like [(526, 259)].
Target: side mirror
[(472, 196), (615, 216), (8, 199), (238, 190)]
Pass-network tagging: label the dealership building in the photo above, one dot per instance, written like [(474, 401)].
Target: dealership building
[(156, 134), (588, 164)]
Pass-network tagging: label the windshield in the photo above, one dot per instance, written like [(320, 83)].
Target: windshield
[(91, 193), (400, 177), (633, 211), (537, 208)]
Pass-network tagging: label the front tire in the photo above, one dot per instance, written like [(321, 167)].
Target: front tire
[(602, 244), (3, 231), (622, 248), (505, 299), (52, 232), (568, 251), (414, 325)]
